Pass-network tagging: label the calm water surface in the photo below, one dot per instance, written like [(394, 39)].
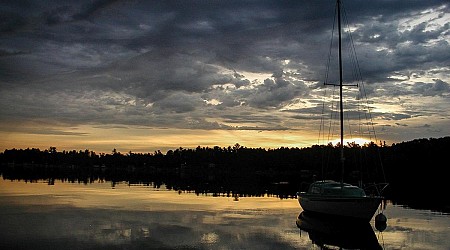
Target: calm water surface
[(99, 216)]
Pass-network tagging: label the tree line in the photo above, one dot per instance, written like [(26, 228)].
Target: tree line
[(413, 169)]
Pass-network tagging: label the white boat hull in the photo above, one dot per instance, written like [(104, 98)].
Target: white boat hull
[(354, 207)]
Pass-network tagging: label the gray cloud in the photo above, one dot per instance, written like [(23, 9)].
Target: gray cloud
[(185, 63)]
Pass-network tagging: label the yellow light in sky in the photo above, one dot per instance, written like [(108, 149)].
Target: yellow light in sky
[(142, 139), (359, 141)]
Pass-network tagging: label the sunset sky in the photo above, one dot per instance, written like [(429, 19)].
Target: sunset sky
[(156, 75)]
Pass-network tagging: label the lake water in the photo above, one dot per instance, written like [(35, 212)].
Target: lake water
[(104, 216)]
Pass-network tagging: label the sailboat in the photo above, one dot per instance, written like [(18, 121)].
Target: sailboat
[(338, 198)]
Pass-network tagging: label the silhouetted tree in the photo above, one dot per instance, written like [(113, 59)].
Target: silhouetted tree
[(413, 168)]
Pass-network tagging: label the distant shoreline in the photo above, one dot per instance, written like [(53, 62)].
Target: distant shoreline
[(413, 169)]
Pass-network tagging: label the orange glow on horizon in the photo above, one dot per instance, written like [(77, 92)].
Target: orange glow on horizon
[(359, 141), (148, 140)]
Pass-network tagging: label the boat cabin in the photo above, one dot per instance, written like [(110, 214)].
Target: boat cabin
[(330, 187)]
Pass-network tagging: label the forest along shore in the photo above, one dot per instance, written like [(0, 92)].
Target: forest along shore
[(412, 169)]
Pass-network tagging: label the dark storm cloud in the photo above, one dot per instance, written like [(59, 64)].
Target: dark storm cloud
[(152, 63), (275, 92), (430, 89)]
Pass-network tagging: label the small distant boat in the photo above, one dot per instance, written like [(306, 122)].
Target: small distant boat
[(338, 197)]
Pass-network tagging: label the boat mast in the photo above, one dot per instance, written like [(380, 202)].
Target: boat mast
[(341, 106)]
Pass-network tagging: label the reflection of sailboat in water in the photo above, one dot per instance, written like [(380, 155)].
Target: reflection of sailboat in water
[(329, 232), (338, 197)]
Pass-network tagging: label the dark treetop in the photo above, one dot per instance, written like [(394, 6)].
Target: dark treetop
[(413, 169)]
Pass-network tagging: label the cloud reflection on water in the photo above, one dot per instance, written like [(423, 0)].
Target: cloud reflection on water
[(138, 217), (92, 216)]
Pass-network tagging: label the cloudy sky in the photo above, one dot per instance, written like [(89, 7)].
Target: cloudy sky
[(146, 75)]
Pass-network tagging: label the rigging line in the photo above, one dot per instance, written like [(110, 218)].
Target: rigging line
[(370, 124), (368, 114), (353, 50), (327, 71), (362, 90), (358, 150), (329, 128), (329, 149), (358, 76), (321, 138), (360, 111), (332, 112), (326, 155), (351, 145), (351, 47)]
